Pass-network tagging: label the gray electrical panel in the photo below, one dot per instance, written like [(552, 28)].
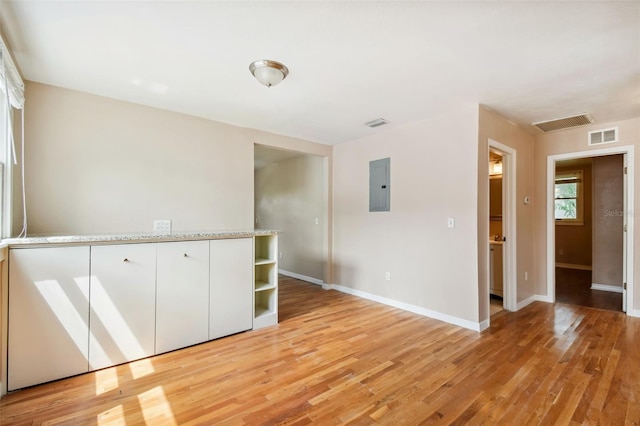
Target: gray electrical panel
[(379, 185)]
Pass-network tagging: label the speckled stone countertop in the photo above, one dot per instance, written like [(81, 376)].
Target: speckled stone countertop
[(135, 237)]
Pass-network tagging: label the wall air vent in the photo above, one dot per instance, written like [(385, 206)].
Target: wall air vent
[(599, 137), (377, 122), (563, 123)]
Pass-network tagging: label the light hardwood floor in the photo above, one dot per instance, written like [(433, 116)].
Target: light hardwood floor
[(337, 359)]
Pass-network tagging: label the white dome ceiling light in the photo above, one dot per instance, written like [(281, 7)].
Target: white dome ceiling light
[(268, 72)]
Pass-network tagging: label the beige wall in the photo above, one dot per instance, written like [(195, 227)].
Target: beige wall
[(570, 141), (98, 165), (431, 266), (289, 196), (608, 203), (493, 126), (575, 240)]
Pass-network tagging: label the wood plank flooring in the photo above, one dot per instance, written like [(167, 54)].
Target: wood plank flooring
[(573, 286), (336, 359)]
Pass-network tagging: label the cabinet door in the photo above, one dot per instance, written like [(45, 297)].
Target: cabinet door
[(498, 271), (48, 314), (123, 301), (182, 311), (231, 278), (495, 198)]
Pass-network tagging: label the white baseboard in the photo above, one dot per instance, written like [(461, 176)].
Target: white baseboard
[(633, 312), (475, 326), (301, 277), (606, 287), (573, 266), (535, 298), (484, 325)]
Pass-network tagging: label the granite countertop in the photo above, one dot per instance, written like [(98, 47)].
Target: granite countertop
[(136, 237)]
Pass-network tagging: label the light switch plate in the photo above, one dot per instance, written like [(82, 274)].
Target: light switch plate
[(451, 223)]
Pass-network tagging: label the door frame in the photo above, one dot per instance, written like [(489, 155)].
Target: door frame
[(628, 154), (509, 248)]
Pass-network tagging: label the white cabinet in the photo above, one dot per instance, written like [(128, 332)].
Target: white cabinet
[(182, 301), (231, 292), (265, 281), (495, 269), (74, 309), (123, 290), (48, 314)]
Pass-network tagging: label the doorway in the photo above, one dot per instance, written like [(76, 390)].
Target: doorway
[(502, 227), (291, 195), (588, 211), (618, 270)]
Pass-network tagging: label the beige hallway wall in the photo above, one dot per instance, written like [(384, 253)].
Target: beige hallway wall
[(493, 126), (289, 196), (608, 205), (99, 165), (431, 266), (570, 141)]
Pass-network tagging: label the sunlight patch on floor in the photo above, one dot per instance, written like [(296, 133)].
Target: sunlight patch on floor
[(106, 380), (156, 408), (112, 416), (141, 368)]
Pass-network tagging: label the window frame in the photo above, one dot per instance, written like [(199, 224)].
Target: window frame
[(562, 177)]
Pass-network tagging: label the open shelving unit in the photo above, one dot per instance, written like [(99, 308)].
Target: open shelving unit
[(265, 274)]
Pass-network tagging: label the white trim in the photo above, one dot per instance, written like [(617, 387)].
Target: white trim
[(301, 277), (509, 224), (531, 299), (607, 287), (574, 266), (475, 326), (628, 151), (484, 325), (633, 312)]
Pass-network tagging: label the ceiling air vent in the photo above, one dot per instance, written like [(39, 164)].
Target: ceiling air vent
[(564, 123), (598, 137), (377, 122)]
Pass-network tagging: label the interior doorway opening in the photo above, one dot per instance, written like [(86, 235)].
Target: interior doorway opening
[(625, 214), (502, 238), (589, 231), (291, 195)]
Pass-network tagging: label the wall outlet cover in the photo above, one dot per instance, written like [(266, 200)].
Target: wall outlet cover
[(162, 226)]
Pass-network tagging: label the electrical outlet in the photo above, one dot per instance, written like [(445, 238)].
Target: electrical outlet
[(162, 226), (561, 252), (526, 276), (281, 255), (387, 276), (317, 221)]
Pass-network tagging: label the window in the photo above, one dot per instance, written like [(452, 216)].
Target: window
[(568, 198), (11, 102)]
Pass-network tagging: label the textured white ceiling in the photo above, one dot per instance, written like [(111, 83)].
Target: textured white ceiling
[(349, 62)]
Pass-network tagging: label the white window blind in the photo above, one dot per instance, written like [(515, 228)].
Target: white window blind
[(10, 81), (12, 88)]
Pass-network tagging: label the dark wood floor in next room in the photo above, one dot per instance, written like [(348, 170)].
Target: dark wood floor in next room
[(337, 359), (573, 286)]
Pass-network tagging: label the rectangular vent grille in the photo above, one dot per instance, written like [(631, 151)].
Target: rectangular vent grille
[(599, 137), (563, 123), (377, 122)]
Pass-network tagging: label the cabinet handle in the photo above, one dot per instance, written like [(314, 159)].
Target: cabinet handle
[(125, 260), (186, 255)]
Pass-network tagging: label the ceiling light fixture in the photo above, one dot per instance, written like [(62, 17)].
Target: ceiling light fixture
[(268, 72)]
